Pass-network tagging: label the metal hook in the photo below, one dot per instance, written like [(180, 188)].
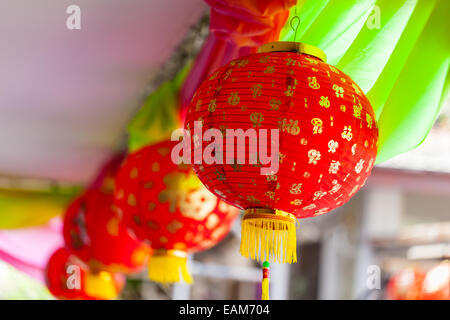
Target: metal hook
[(294, 18)]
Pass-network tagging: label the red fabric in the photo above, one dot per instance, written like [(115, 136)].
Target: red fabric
[(166, 205), (95, 233), (57, 275), (406, 285), (237, 28), (281, 90)]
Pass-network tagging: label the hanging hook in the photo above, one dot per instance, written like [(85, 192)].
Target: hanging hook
[(295, 18)]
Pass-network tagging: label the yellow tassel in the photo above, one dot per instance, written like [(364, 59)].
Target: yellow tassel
[(269, 235), (168, 266), (265, 282), (101, 285), (265, 289)]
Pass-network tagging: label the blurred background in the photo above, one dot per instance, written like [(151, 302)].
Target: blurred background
[(66, 99)]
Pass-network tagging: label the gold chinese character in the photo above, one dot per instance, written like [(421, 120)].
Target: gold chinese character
[(347, 133), (269, 69), (290, 88), (264, 59), (296, 188), (357, 111), (274, 104), (369, 121), (256, 118), (332, 146), (212, 105), (318, 125), (334, 69), (256, 90), (314, 156), (312, 82), (319, 195), (198, 104), (289, 127), (334, 166), (338, 90), (234, 99), (359, 166), (324, 102), (356, 88)]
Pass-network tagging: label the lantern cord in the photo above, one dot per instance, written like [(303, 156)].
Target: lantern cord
[(265, 281), (295, 18)]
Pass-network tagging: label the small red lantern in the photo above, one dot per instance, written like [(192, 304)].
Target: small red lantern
[(68, 278), (406, 285), (95, 233), (166, 205), (436, 284), (327, 141)]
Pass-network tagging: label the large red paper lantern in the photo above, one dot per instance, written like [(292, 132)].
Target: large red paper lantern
[(436, 284), (327, 141), (68, 278), (406, 285), (166, 205), (95, 233)]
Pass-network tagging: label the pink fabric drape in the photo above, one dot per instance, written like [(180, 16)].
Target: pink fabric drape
[(29, 249)]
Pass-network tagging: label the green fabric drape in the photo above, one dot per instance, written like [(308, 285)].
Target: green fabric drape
[(398, 51), (20, 209), (159, 115)]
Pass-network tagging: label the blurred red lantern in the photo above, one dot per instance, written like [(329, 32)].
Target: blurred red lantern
[(166, 206), (406, 285), (436, 284), (105, 178), (68, 278), (95, 233), (327, 141)]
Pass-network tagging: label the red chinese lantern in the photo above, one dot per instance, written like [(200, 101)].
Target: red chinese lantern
[(105, 178), (95, 233), (166, 205), (436, 284), (406, 285), (327, 141), (68, 278)]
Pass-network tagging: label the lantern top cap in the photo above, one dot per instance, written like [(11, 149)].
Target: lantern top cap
[(289, 46)]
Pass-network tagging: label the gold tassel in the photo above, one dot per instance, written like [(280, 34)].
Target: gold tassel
[(100, 285), (168, 266), (265, 281), (269, 235)]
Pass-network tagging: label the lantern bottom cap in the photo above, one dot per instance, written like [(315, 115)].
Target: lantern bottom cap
[(168, 266), (268, 234)]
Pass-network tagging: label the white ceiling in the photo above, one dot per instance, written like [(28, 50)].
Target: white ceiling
[(67, 95)]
